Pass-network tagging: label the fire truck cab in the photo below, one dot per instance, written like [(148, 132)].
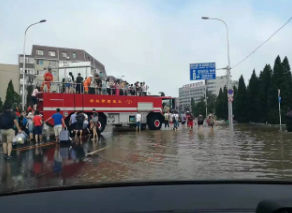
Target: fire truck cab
[(112, 110)]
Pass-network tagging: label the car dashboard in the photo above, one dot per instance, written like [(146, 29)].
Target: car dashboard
[(164, 196)]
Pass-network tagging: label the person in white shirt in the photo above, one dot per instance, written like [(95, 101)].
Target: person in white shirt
[(175, 121), (170, 120), (68, 85), (34, 98), (29, 124), (85, 122), (108, 87), (138, 121)]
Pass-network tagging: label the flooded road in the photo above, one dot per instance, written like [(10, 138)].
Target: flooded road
[(252, 152)]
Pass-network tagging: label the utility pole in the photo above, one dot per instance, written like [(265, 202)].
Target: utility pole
[(229, 85), (206, 99)]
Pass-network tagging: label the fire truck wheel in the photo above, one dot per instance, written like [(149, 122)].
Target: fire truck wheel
[(155, 123), (101, 124)]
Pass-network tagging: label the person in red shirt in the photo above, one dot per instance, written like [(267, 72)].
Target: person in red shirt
[(17, 112), (29, 109), (48, 78), (190, 119), (38, 129)]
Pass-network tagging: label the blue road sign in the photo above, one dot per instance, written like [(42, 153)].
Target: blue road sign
[(279, 99), (230, 91), (203, 71)]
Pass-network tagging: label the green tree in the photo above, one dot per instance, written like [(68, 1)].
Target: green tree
[(286, 88), (219, 104), (1, 105), (193, 104), (9, 99), (234, 97), (225, 104), (277, 82), (12, 97), (264, 85), (200, 107), (241, 102), (211, 103), (252, 97)]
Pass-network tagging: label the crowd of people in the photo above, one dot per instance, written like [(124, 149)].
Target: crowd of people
[(96, 84), (12, 122), (173, 120)]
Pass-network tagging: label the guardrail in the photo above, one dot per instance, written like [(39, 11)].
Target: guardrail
[(79, 88)]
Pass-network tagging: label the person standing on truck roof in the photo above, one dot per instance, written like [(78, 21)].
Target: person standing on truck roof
[(87, 83), (7, 121), (108, 86), (58, 122), (138, 122), (98, 84), (79, 81), (48, 78), (104, 87), (69, 84)]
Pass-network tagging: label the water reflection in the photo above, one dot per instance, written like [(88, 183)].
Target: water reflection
[(251, 152)]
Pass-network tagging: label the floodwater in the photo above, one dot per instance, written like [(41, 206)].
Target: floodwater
[(252, 152)]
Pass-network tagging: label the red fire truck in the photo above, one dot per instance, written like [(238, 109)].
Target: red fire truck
[(112, 110)]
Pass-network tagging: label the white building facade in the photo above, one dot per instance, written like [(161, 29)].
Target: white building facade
[(197, 90), (187, 92), (220, 82)]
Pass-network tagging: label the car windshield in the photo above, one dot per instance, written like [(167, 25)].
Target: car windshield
[(138, 90)]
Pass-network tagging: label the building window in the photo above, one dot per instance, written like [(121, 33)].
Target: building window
[(52, 53), (52, 64), (54, 73), (64, 54), (40, 62), (39, 72), (39, 52), (27, 60), (73, 55)]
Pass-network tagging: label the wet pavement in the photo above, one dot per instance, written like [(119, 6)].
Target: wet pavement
[(252, 152)]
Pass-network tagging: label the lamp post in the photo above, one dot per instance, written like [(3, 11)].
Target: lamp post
[(229, 85), (23, 69)]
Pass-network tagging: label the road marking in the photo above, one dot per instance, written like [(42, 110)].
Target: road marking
[(93, 152)]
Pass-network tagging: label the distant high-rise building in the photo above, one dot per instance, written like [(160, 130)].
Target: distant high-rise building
[(197, 90), (220, 82)]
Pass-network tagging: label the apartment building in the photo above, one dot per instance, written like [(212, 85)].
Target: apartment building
[(8, 72), (44, 57)]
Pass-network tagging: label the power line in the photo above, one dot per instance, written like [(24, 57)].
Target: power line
[(262, 44)]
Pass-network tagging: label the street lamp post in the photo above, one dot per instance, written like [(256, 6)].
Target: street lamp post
[(229, 85), (23, 69)]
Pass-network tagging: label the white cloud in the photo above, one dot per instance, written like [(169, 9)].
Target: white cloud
[(149, 43)]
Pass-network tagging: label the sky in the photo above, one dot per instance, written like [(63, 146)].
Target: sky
[(152, 40)]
